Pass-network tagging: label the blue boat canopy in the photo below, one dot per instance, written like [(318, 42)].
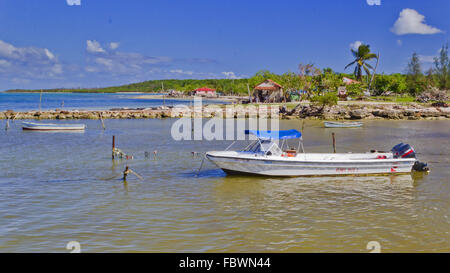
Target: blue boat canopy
[(286, 134)]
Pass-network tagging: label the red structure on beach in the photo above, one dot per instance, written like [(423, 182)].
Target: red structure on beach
[(205, 91)]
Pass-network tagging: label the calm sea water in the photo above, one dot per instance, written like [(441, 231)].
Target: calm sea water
[(58, 187), (91, 101)]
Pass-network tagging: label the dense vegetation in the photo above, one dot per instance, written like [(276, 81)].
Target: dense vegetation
[(313, 80)]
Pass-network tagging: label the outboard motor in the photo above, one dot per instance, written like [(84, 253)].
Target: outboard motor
[(403, 151), (406, 151), (420, 166)]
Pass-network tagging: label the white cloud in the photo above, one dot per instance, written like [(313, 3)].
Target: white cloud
[(412, 22), (73, 2), (4, 63), (56, 69), (94, 47), (35, 67), (31, 61), (107, 59), (49, 54), (426, 59), (23, 66), (373, 2), (9, 51), (230, 75), (355, 45), (105, 62), (113, 45), (429, 58), (181, 71), (20, 81), (104, 59), (91, 69)]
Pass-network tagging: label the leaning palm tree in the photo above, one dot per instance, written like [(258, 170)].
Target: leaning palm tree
[(362, 55)]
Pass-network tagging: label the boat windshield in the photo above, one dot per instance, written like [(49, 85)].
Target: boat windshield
[(266, 147)]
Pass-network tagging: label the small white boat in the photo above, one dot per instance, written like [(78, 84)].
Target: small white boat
[(52, 126), (335, 124), (265, 157)]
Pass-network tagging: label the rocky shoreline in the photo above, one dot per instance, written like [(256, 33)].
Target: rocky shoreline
[(411, 111)]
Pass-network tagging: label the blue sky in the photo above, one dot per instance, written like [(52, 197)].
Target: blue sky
[(94, 43)]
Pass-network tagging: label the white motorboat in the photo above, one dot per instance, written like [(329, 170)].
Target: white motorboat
[(52, 126), (264, 157), (335, 124)]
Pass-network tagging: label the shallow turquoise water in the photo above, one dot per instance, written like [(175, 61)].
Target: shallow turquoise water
[(57, 187)]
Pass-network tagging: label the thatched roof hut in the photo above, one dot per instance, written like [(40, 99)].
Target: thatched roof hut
[(268, 91)]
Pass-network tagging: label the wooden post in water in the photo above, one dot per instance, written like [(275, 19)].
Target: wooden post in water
[(113, 145), (7, 124), (128, 171), (125, 173), (334, 142), (40, 101), (101, 119), (164, 97)]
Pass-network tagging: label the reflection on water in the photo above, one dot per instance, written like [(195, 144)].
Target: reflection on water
[(63, 187)]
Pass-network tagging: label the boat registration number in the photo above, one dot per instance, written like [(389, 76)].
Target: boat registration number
[(346, 170)]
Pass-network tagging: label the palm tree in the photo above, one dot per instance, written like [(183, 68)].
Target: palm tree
[(362, 55)]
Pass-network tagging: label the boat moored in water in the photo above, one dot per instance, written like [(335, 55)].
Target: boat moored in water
[(52, 127), (335, 124), (264, 157)]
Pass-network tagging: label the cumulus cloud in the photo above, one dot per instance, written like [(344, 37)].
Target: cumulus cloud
[(412, 22), (105, 64), (107, 59), (355, 45), (24, 54), (31, 62), (73, 2), (93, 46), (230, 75), (373, 2), (113, 45)]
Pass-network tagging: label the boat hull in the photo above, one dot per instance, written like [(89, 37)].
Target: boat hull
[(273, 167), (342, 124), (53, 127)]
